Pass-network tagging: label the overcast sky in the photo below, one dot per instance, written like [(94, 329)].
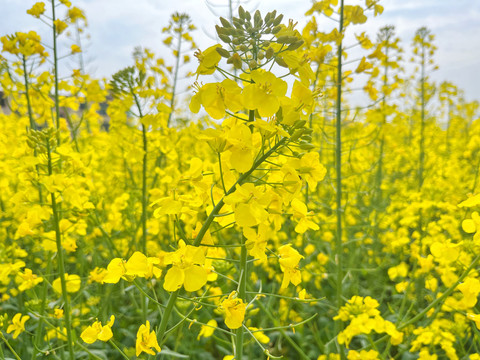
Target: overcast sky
[(117, 26)]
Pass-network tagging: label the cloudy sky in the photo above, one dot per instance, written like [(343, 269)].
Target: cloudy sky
[(117, 26)]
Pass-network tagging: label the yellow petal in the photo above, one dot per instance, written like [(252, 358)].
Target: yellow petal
[(174, 279), (195, 278)]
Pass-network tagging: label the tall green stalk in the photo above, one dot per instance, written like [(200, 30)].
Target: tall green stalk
[(60, 258), (175, 76), (143, 243), (421, 159), (338, 170), (55, 72)]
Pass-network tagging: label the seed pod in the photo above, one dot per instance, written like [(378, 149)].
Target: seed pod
[(278, 20), (295, 45), (225, 22), (223, 52), (269, 53), (225, 39)]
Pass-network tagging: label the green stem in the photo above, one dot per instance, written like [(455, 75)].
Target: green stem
[(118, 349), (60, 260), (240, 181), (39, 331), (198, 239), (55, 72), (440, 299), (166, 315), (9, 346), (338, 169), (175, 77), (242, 285)]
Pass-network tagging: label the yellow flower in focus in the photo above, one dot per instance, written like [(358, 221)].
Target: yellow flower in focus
[(17, 325), (208, 60), (146, 340), (289, 259), (72, 283), (234, 309), (115, 270), (263, 92), (96, 331), (187, 268)]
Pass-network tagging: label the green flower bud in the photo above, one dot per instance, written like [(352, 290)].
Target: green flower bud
[(223, 52), (295, 45), (278, 20), (225, 22)]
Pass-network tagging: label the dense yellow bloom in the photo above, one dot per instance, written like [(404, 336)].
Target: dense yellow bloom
[(72, 282), (187, 268), (289, 259), (263, 92), (216, 98), (146, 340), (96, 331), (17, 325), (27, 280), (37, 9), (234, 310)]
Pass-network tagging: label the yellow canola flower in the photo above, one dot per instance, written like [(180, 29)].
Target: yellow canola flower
[(471, 201), (60, 26), (96, 331), (187, 268), (475, 318), (216, 98), (17, 325), (289, 259), (234, 309), (363, 355), (138, 265), (37, 9), (146, 340), (263, 92), (73, 283), (208, 60), (208, 329), (259, 335)]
